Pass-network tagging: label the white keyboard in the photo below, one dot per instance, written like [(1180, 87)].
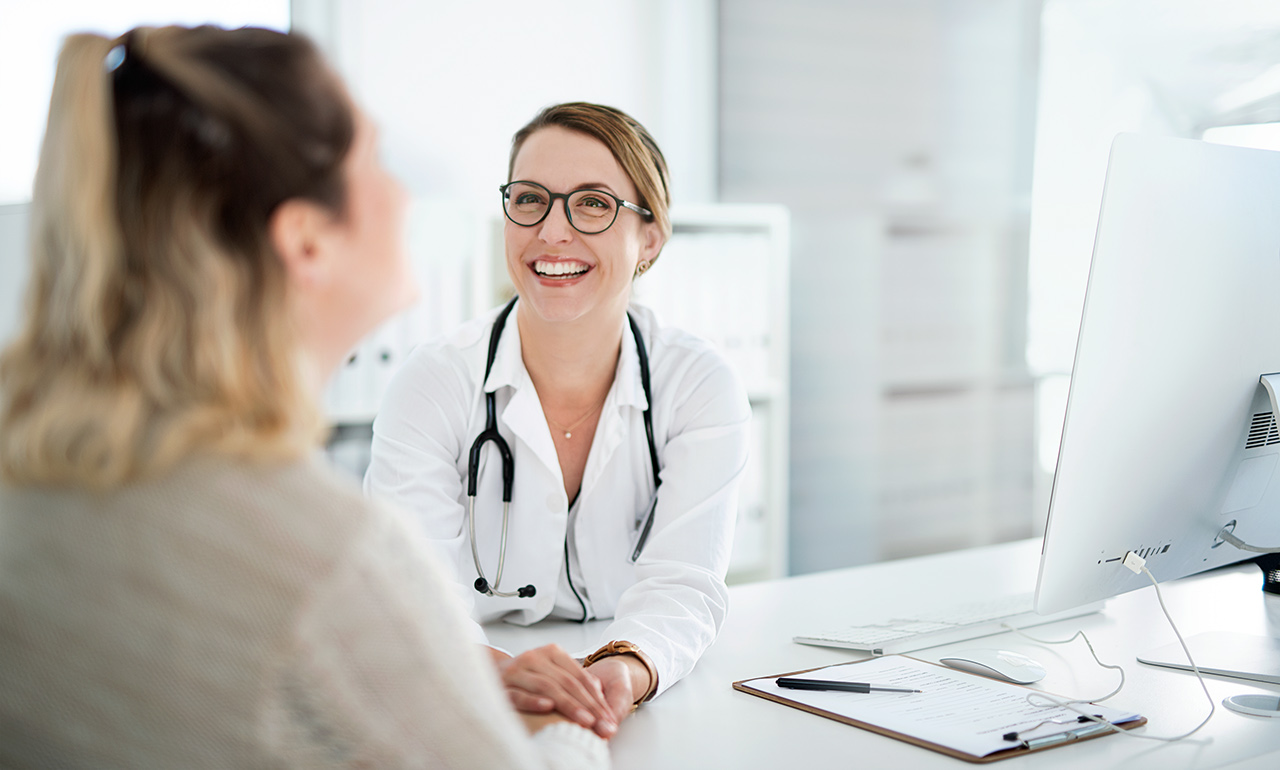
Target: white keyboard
[(955, 623)]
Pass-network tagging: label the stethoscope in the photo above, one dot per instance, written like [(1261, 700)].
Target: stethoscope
[(490, 433)]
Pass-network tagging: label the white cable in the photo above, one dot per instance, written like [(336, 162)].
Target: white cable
[(1136, 564), (1075, 636), (1203, 685), (1229, 536)]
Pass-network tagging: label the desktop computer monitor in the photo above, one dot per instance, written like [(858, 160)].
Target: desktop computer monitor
[(1169, 435)]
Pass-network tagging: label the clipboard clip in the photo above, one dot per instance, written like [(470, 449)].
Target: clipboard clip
[(1016, 735), (1074, 734)]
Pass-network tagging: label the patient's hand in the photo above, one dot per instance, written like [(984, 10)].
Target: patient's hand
[(547, 679)]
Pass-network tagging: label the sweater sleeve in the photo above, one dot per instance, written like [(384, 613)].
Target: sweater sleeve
[(379, 672)]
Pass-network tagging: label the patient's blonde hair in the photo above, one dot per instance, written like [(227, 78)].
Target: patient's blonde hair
[(156, 321)]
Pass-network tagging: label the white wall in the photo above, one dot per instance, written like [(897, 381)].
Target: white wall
[(13, 267), (451, 82), (899, 134), (1164, 67), (32, 33)]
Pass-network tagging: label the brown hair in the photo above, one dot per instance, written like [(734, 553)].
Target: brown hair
[(631, 144), (156, 318)]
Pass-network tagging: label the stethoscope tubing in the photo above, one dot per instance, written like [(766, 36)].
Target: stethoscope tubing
[(482, 584), (643, 356), (490, 433)]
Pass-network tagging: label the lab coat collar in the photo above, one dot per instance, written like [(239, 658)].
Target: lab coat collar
[(523, 413), (524, 416), (508, 364), (629, 389)]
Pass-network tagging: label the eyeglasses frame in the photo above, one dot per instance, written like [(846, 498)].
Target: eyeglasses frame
[(622, 204)]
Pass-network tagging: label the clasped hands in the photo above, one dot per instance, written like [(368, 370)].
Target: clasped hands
[(547, 679)]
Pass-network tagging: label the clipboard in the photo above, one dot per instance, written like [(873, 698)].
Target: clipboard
[(763, 687)]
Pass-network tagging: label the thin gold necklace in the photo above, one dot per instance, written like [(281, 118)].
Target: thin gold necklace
[(568, 429)]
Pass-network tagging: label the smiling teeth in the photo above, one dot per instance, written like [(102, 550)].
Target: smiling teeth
[(542, 267)]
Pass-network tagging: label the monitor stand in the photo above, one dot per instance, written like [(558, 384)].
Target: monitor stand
[(1270, 566), (1238, 656)]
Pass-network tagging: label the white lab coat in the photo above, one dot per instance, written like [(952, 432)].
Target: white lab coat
[(672, 601)]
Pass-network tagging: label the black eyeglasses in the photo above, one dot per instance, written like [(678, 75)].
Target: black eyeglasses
[(589, 211)]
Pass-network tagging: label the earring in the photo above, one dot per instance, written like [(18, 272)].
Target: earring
[(642, 267)]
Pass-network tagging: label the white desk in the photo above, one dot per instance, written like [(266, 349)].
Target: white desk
[(703, 723)]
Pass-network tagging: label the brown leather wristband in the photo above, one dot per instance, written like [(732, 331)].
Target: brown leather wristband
[(620, 647)]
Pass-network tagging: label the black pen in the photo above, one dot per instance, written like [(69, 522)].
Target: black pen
[(827, 684)]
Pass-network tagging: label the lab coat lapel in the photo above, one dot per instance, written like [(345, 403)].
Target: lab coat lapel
[(523, 413), (627, 392)]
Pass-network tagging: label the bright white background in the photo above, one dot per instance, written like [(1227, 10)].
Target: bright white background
[(942, 160), (30, 33), (1166, 67)]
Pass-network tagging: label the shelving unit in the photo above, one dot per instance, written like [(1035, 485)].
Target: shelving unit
[(725, 276), (446, 243)]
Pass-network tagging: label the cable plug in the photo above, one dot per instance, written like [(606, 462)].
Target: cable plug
[(1134, 562)]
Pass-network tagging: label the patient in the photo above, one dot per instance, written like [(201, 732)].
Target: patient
[(182, 583)]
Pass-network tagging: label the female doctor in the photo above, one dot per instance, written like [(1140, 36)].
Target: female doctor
[(625, 439)]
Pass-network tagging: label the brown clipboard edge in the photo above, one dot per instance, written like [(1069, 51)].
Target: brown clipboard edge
[(1016, 751)]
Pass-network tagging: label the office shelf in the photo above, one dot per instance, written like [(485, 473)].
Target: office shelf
[(725, 276)]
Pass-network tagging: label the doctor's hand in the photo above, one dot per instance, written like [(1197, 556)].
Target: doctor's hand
[(548, 679)]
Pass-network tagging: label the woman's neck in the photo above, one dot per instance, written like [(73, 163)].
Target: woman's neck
[(571, 363)]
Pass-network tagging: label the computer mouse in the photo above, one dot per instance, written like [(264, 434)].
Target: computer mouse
[(997, 664)]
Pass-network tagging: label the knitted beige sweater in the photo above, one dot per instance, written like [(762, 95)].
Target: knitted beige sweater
[(234, 616)]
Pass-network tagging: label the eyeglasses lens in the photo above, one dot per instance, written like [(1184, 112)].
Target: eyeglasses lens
[(589, 211)]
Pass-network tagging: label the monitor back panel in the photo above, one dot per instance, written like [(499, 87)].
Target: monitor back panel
[(1181, 316)]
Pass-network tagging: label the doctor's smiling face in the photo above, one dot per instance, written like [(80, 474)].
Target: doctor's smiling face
[(560, 273)]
